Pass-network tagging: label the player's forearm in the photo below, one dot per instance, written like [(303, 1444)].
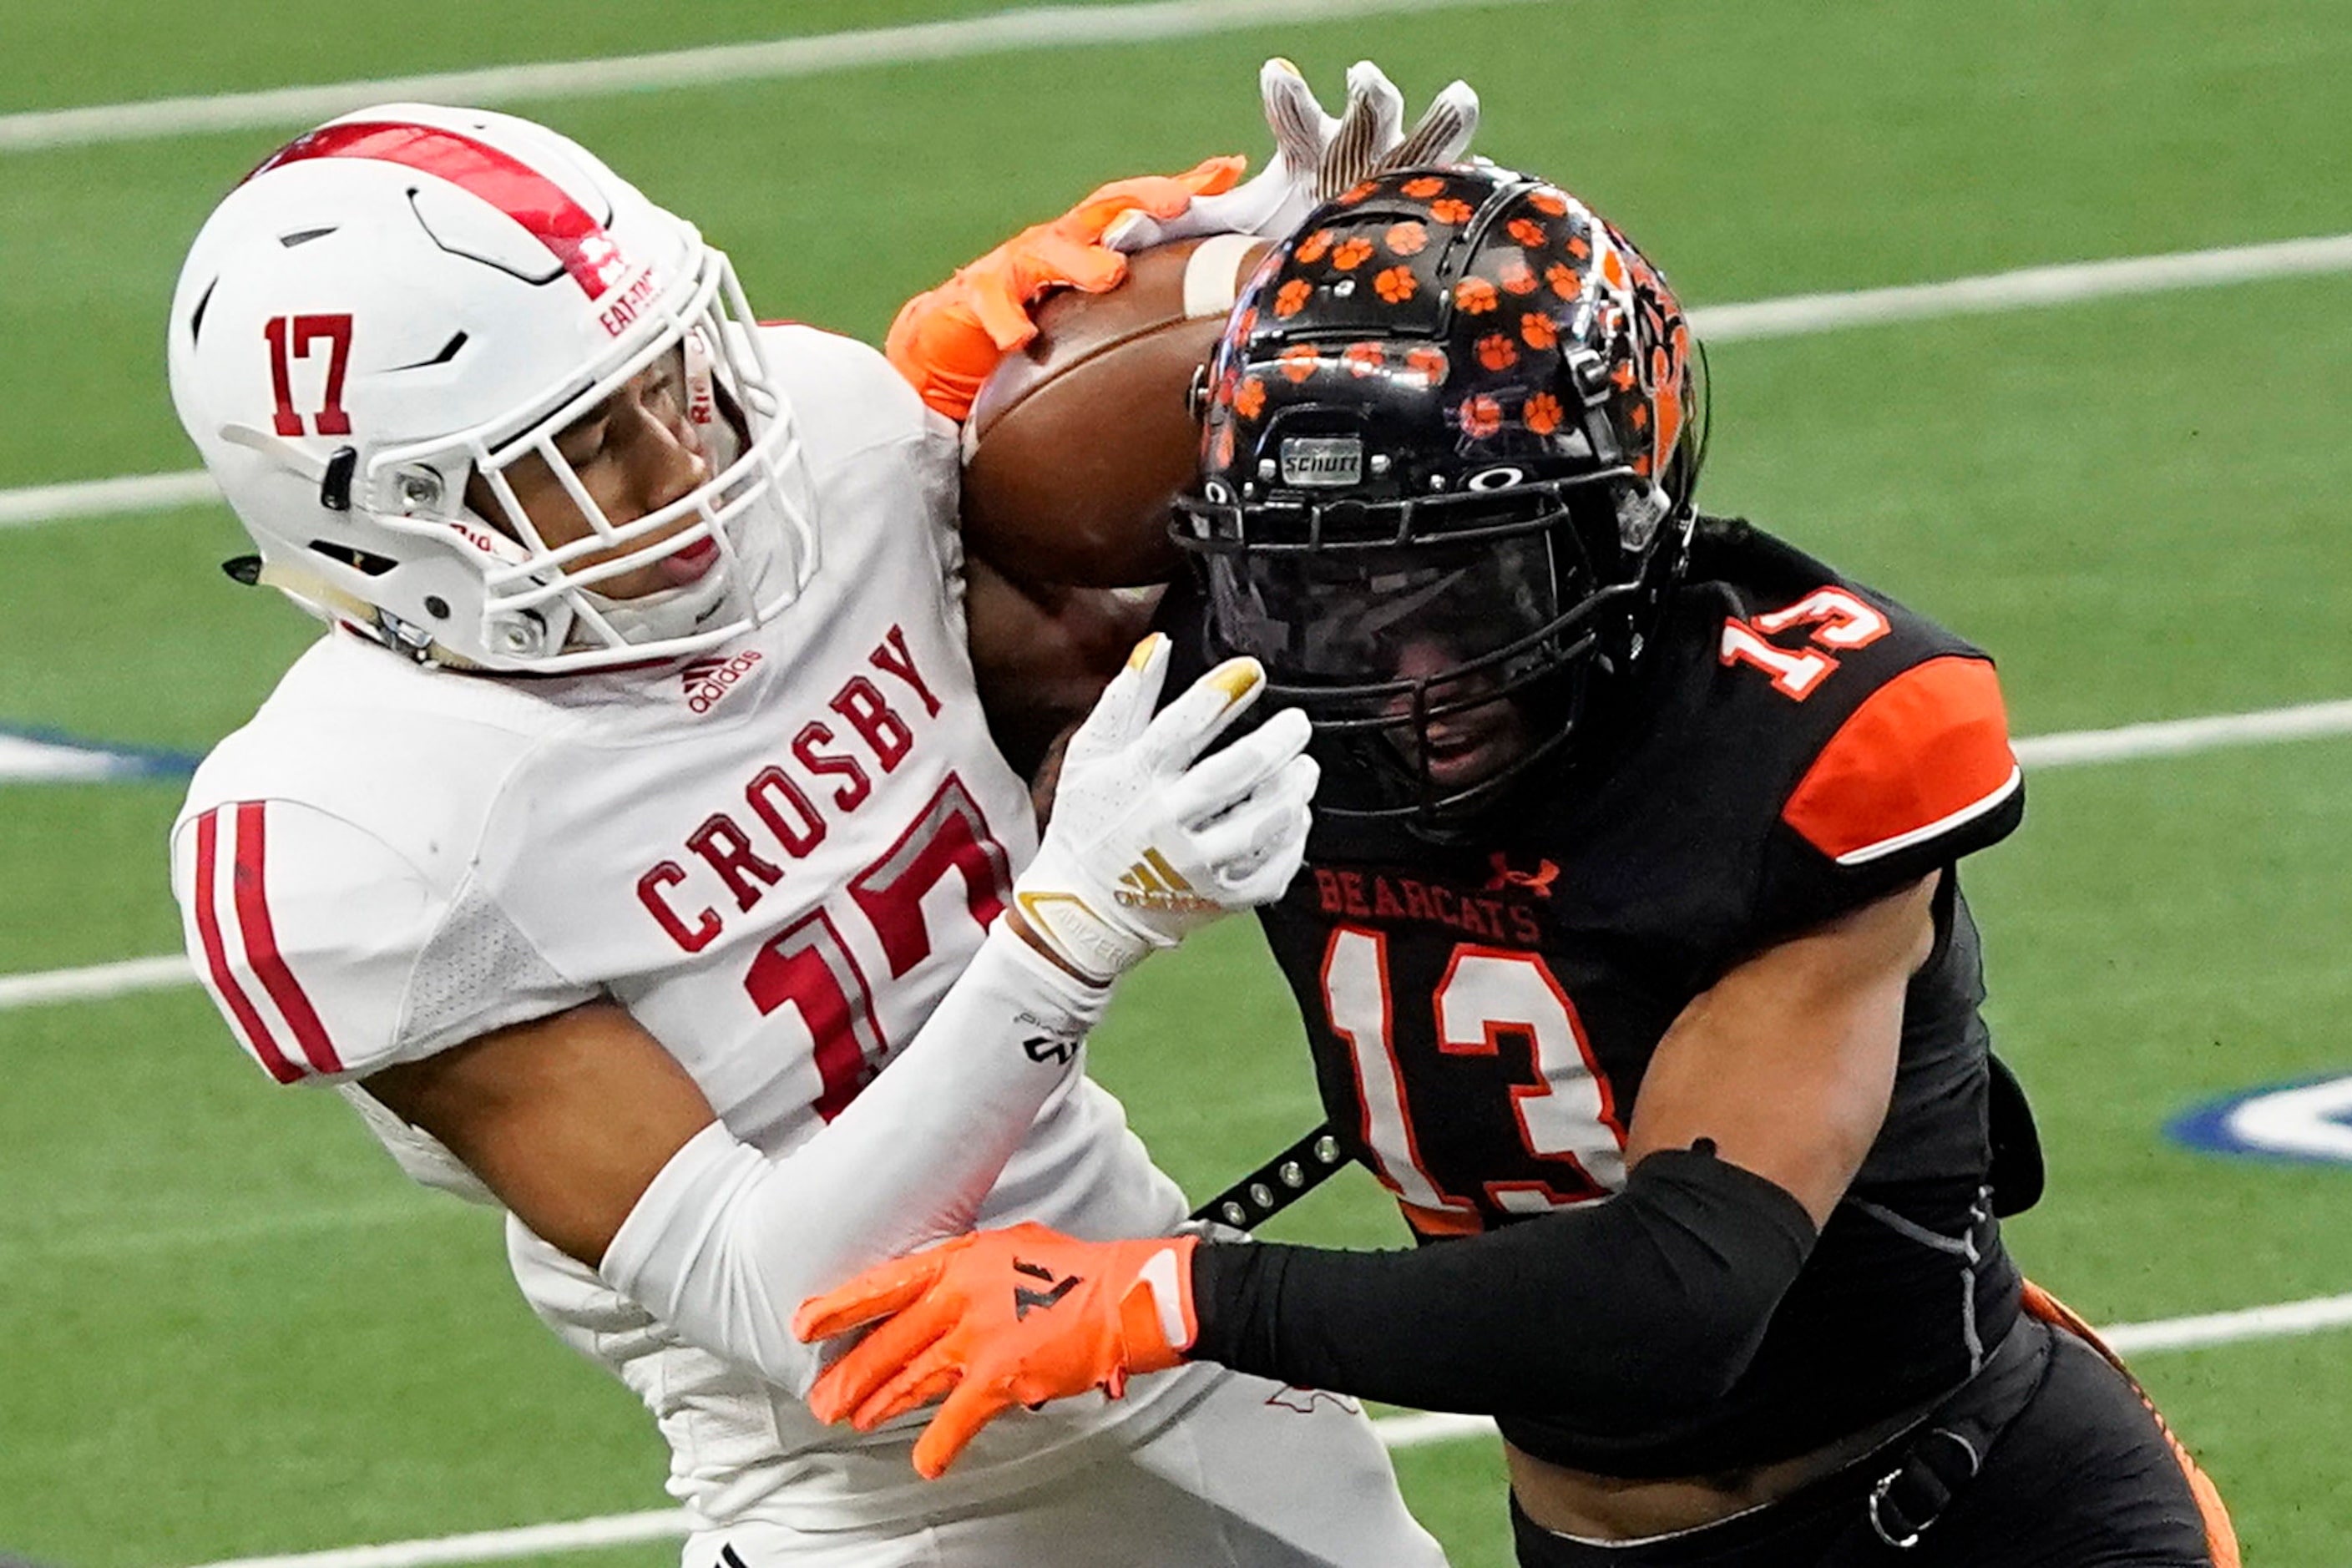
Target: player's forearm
[(726, 1242), (1655, 1300)]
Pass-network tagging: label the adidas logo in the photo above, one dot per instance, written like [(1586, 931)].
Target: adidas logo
[(706, 680), (1152, 883)]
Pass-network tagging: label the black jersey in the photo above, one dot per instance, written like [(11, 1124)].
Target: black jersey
[(1793, 745)]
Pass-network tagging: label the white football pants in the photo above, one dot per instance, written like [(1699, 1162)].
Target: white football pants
[(1253, 1475)]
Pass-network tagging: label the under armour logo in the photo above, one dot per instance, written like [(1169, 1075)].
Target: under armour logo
[(1538, 881), (1307, 1401), (1025, 1298), (1054, 1048)]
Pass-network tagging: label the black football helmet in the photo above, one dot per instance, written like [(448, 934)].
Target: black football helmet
[(1449, 445)]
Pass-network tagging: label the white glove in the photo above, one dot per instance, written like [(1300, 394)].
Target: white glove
[(1316, 156), (1148, 840)]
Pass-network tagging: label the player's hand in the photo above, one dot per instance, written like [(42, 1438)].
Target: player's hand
[(1150, 839), (997, 1319), (1317, 155), (946, 342)]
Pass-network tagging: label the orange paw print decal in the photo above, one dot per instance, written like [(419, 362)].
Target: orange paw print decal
[(1312, 248), (1538, 332), (1449, 209), (1474, 296), (1566, 281), (1495, 352), (1407, 239), (1362, 359), (1516, 277), (1299, 361), (1481, 416), (1422, 189), (1355, 194), (1249, 402), (1396, 285), (1528, 232), (1429, 364), (1542, 413), (1292, 297), (1550, 202), (1351, 254)]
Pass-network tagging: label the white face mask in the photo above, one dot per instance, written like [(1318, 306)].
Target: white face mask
[(756, 511)]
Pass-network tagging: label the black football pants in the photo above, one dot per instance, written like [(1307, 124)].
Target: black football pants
[(2083, 1477)]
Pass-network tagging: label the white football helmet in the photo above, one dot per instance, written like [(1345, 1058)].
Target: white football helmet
[(411, 296)]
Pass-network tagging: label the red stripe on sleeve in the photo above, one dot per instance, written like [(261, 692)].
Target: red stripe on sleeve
[(261, 943), (1928, 751), (240, 1006)]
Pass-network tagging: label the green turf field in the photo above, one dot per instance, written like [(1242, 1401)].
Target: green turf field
[(231, 1328)]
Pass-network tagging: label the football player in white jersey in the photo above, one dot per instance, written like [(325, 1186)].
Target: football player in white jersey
[(631, 850)]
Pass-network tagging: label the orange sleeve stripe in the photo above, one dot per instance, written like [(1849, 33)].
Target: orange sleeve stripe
[(1924, 754)]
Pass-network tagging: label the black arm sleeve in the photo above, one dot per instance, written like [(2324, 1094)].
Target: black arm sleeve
[(1653, 1300)]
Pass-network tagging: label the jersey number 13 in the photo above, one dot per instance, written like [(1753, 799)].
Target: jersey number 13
[(1566, 1116)]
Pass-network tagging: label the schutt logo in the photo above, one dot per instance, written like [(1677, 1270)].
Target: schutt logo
[(708, 680), (1322, 460)]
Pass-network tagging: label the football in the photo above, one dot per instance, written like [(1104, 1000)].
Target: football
[(1076, 444)]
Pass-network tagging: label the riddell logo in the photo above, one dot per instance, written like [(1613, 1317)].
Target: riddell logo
[(708, 680)]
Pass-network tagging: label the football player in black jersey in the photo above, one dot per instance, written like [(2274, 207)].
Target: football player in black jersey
[(1632, 880)]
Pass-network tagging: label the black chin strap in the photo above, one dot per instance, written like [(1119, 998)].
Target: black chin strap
[(1281, 1181)]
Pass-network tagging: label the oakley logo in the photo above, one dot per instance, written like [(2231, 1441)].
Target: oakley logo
[(1322, 460), (1026, 1300), (708, 680)]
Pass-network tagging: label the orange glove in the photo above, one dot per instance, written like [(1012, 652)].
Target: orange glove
[(997, 1319), (947, 341)]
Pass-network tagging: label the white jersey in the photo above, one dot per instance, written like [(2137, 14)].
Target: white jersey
[(777, 856)]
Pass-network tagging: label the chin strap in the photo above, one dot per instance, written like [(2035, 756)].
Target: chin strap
[(1278, 1184), (323, 598)]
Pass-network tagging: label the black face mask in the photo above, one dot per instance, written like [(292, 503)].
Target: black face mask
[(1359, 629), (1436, 672)]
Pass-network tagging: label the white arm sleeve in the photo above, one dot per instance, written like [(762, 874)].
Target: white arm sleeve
[(726, 1243)]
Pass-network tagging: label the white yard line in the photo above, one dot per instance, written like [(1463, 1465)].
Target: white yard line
[(488, 1545), (102, 498), (1396, 1431), (2175, 737), (1796, 315), (89, 1238), (2162, 738), (97, 983), (2023, 289), (2281, 1319), (1035, 27)]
